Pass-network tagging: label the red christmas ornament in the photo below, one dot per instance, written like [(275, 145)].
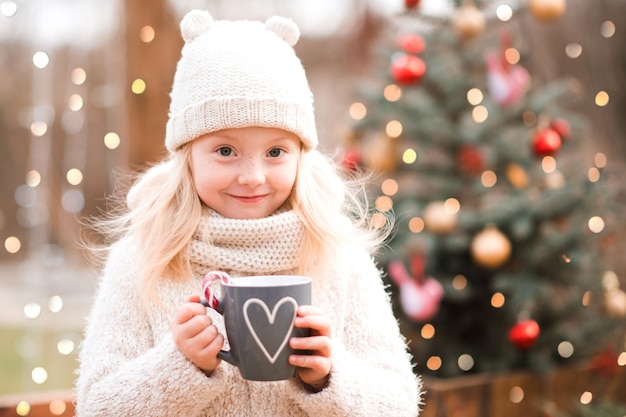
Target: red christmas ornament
[(524, 334), (470, 160), (411, 43), (407, 69), (547, 142), (561, 126), (409, 4), (605, 363)]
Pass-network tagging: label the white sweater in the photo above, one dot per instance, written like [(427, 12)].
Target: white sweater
[(130, 365)]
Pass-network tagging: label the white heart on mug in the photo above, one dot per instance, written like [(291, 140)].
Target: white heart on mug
[(271, 316)]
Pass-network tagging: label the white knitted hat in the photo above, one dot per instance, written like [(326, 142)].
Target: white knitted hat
[(237, 74)]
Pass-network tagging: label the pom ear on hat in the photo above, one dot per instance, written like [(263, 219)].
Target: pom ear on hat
[(195, 23), (285, 28)]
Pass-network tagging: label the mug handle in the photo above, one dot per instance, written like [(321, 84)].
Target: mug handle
[(216, 302)]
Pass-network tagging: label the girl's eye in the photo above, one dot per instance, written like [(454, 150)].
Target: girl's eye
[(275, 152), (225, 151)]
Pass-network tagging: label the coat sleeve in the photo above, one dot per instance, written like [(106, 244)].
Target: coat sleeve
[(371, 374), (123, 372)]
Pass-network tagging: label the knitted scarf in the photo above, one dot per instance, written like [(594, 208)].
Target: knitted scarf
[(247, 246)]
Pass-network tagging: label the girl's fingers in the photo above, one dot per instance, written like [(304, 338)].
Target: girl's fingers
[(188, 311), (319, 345), (321, 364), (320, 325)]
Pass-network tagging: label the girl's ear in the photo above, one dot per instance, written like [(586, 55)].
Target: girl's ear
[(285, 28), (195, 23)]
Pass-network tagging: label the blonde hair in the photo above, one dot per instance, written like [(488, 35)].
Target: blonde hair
[(162, 209), (332, 203)]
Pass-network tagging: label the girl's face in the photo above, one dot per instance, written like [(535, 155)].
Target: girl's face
[(245, 173)]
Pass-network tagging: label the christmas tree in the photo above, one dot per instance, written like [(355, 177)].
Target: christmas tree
[(501, 220)]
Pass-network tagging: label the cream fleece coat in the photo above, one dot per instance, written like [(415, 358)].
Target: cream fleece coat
[(130, 365)]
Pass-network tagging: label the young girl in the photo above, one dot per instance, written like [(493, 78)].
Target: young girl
[(243, 191)]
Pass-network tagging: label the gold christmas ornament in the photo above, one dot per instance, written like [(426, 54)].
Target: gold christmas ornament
[(437, 219), (380, 153), (468, 21), (518, 177), (490, 248), (547, 10), (615, 303), (614, 298)]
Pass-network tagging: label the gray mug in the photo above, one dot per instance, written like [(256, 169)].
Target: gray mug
[(259, 314)]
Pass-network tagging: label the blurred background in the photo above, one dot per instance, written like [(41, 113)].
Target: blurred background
[(84, 90)]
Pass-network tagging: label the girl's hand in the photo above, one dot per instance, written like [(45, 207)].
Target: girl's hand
[(196, 336), (315, 367)]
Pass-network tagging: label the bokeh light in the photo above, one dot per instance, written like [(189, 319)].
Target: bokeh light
[(73, 201), (39, 375), (22, 408), (74, 176), (41, 59), (586, 397), (32, 310), (573, 50), (465, 362), (55, 304), (516, 395), (474, 96), (57, 407), (504, 12), (75, 102), (25, 196), (65, 346), (497, 300), (452, 206), (78, 76), (33, 178), (384, 203), (8, 8), (389, 186), (565, 349), (379, 220), (607, 29), (138, 86), (409, 156), (357, 111), (512, 56), (434, 363), (488, 178), (147, 34), (392, 93), (112, 140), (593, 174), (480, 114), (12, 244), (416, 224), (596, 224), (602, 98), (428, 331), (459, 282), (38, 128), (393, 129), (548, 164)]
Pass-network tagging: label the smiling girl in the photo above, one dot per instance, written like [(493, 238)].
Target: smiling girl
[(244, 191)]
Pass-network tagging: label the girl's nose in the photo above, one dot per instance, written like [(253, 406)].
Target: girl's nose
[(252, 172)]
